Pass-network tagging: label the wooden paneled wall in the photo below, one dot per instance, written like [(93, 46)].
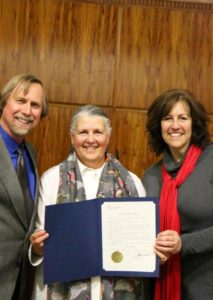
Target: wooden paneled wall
[(116, 54)]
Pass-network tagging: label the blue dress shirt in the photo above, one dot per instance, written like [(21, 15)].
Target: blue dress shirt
[(12, 146)]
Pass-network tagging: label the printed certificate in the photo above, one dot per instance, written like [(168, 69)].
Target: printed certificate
[(128, 236)]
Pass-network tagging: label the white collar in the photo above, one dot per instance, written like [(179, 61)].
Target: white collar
[(84, 169)]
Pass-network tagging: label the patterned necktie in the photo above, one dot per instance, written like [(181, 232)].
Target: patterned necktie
[(23, 179)]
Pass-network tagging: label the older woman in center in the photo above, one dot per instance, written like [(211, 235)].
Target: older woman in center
[(89, 172)]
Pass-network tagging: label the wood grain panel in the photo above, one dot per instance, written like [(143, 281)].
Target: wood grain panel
[(211, 128), (131, 140), (84, 71), (51, 138), (71, 46), (163, 49)]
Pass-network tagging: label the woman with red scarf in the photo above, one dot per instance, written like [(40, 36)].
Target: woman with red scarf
[(183, 180)]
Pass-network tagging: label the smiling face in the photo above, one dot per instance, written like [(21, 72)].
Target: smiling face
[(22, 111), (90, 140), (176, 129)]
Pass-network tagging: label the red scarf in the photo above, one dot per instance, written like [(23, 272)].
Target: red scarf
[(168, 285)]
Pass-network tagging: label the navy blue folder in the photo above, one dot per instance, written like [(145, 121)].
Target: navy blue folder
[(73, 250)]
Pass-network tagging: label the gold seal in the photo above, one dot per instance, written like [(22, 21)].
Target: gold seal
[(117, 256)]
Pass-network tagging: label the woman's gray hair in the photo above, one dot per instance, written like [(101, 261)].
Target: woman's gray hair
[(90, 110)]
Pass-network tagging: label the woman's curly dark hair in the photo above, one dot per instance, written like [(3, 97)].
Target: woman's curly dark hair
[(161, 107)]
